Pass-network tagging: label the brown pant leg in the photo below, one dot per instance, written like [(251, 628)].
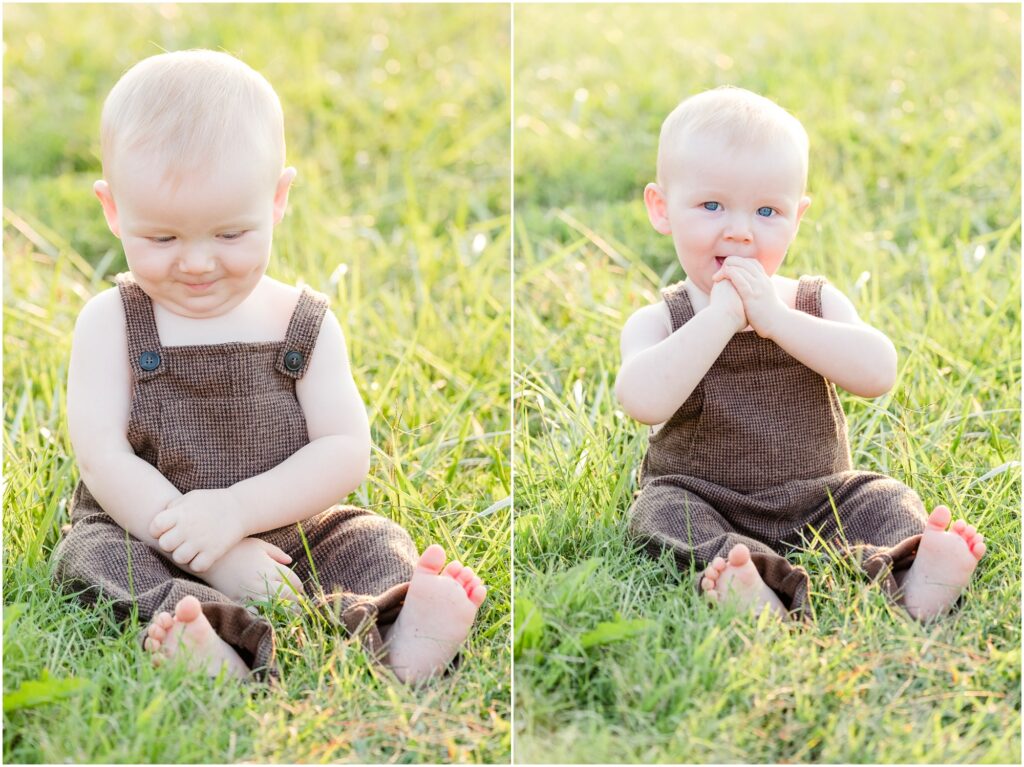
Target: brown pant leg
[(880, 522), (99, 560), (361, 567), (665, 516)]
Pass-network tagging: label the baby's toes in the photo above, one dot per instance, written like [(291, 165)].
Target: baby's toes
[(707, 584), (479, 592), (978, 547), (473, 584), (156, 631), (466, 578), (959, 526), (164, 620), (453, 569)]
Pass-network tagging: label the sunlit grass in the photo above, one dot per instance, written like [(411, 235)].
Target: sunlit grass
[(914, 119), (397, 119)]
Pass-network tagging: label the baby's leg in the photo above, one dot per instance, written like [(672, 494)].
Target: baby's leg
[(99, 560), (409, 609), (918, 563), (739, 569)]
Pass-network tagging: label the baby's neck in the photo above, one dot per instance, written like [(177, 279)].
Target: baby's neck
[(262, 317)]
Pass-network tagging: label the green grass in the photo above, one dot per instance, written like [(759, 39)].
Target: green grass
[(397, 120), (914, 118)]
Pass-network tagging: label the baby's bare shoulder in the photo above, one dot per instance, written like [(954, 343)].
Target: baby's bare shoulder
[(785, 288), (645, 327), (101, 313)]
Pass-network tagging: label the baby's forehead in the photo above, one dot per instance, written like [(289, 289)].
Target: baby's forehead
[(168, 157), (698, 151)]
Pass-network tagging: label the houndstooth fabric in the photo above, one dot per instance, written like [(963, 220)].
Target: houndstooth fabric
[(208, 417), (757, 455)]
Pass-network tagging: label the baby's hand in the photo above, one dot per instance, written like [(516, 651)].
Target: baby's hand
[(725, 298), (199, 528), (254, 569), (761, 303)]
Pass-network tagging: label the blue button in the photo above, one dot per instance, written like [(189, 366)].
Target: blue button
[(293, 361), (149, 360)]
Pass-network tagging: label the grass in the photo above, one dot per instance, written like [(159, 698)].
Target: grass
[(914, 118), (397, 120)]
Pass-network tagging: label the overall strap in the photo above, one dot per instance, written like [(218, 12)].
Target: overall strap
[(145, 353), (303, 330), (680, 308), (808, 295)]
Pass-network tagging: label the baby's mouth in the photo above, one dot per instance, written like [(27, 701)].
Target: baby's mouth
[(719, 261)]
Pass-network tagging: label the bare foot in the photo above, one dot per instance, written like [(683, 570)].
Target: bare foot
[(943, 566), (435, 619), (189, 635), (738, 582)]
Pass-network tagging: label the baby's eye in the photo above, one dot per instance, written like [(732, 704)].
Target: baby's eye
[(711, 206), (765, 211), (231, 235), (163, 239)]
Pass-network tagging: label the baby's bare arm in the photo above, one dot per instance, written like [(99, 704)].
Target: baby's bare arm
[(838, 345), (660, 369), (337, 458), (128, 488)]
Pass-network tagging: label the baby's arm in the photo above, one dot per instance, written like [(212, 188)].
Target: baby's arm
[(333, 464), (128, 488), (838, 345), (660, 369)]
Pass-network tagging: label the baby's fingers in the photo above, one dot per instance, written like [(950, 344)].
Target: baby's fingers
[(739, 279), (184, 553), (171, 540), (276, 553), (203, 562), (161, 523)]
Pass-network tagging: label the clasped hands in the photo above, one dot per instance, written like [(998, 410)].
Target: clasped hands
[(199, 527), (204, 533), (745, 292)]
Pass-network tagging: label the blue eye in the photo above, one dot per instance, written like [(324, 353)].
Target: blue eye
[(711, 206), (765, 211)]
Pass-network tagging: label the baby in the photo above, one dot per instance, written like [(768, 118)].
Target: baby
[(734, 370), (211, 408)]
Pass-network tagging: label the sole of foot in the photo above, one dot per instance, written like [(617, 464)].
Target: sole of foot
[(945, 561), (439, 610), (736, 581), (188, 635)]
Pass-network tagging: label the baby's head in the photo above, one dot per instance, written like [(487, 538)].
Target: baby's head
[(732, 172), (193, 177), (181, 112)]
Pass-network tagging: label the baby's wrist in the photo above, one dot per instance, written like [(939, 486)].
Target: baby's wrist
[(776, 321), (728, 318), (236, 513)]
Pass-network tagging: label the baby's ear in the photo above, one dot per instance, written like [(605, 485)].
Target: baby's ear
[(102, 191), (284, 184), (805, 203), (657, 208)]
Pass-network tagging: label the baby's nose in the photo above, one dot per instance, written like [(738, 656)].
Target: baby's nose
[(196, 260)]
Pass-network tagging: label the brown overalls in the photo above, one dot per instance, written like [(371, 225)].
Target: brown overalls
[(754, 455), (208, 417)]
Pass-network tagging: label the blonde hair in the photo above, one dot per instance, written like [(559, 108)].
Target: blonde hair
[(735, 115), (188, 106)]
